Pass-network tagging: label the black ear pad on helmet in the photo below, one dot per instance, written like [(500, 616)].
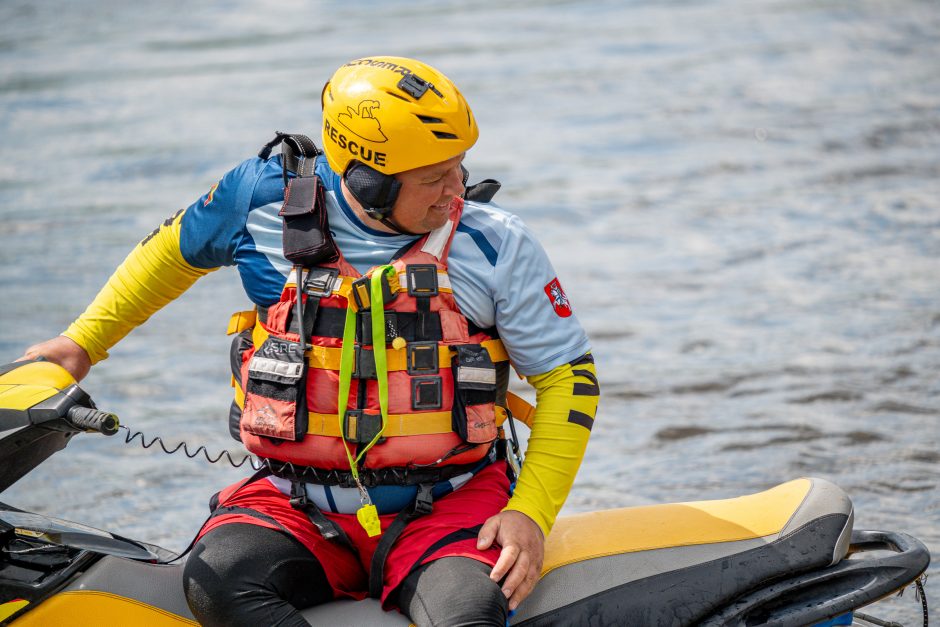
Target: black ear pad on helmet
[(375, 191)]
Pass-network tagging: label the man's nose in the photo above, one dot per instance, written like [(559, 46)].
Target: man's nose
[(454, 184)]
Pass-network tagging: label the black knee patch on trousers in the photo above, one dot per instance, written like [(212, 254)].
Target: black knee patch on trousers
[(242, 574), (453, 592)]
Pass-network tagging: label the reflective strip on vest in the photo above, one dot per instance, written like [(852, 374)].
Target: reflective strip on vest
[(466, 374), (266, 365), (336, 287), (327, 358), (342, 284), (443, 282), (398, 424)]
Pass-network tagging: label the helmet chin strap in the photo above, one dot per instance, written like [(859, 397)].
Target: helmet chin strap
[(387, 221)]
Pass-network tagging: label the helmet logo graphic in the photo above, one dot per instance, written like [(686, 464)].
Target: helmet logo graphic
[(361, 121)]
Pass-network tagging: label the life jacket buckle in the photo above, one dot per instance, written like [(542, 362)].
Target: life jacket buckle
[(362, 290), (422, 279), (424, 502), (298, 495), (365, 364), (365, 327), (320, 281), (360, 427), (422, 358), (426, 393)]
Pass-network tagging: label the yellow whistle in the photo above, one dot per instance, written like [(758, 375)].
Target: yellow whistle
[(399, 343), (369, 519)]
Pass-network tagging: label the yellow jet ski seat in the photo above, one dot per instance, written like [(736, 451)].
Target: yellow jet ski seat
[(673, 564)]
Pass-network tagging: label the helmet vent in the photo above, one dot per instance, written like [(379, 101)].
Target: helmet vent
[(391, 93), (443, 135), (427, 119)]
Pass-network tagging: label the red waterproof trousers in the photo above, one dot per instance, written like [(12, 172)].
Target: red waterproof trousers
[(450, 530)]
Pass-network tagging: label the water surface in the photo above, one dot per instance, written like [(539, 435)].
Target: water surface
[(741, 200)]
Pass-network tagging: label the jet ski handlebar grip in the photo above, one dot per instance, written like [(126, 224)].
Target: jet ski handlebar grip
[(93, 420)]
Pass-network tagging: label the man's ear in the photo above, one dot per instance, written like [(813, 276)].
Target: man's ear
[(375, 191)]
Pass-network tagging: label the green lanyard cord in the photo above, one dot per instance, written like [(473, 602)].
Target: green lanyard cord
[(347, 359)]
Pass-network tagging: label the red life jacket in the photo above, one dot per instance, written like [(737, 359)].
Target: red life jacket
[(445, 375)]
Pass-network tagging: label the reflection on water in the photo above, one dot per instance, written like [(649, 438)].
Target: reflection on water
[(740, 198)]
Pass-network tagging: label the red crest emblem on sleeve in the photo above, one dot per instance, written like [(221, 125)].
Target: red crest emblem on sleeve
[(558, 298)]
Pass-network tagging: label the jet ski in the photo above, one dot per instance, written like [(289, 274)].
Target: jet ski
[(786, 556)]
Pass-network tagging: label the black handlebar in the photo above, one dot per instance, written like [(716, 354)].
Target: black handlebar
[(93, 420)]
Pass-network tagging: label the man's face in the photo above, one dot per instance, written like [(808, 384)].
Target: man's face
[(423, 202)]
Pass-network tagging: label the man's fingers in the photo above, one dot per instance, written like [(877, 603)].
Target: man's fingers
[(64, 352), (525, 588), (487, 534), (507, 557), (30, 353), (517, 575)]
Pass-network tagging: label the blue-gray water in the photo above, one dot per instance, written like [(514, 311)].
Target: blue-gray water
[(741, 199)]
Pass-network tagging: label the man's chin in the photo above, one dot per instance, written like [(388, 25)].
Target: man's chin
[(436, 218)]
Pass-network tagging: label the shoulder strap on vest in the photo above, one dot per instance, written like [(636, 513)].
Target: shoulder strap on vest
[(482, 191), (298, 154), (306, 233)]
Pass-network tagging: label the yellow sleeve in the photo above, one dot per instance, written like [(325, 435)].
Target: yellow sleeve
[(566, 403), (152, 275)]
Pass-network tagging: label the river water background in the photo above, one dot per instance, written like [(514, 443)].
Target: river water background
[(741, 200)]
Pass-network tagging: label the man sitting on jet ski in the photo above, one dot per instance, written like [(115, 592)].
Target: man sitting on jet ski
[(371, 376)]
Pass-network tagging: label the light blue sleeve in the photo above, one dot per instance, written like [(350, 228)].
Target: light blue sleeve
[(534, 318)]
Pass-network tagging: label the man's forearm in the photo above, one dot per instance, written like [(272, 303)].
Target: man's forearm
[(566, 403)]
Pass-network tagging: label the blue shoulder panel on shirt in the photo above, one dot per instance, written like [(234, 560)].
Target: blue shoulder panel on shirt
[(214, 225), (488, 251)]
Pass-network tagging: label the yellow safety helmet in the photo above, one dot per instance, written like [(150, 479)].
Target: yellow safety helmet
[(393, 114)]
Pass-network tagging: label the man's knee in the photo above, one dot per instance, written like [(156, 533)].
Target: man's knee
[(241, 574), (453, 591)]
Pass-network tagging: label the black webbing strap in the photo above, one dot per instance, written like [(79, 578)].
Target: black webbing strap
[(327, 528), (265, 151), (423, 505), (311, 308), (423, 308), (298, 154), (468, 533), (482, 191), (369, 477), (330, 322), (216, 510), (224, 510)]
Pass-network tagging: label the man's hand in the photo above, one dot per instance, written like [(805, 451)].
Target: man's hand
[(63, 351), (523, 549)]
